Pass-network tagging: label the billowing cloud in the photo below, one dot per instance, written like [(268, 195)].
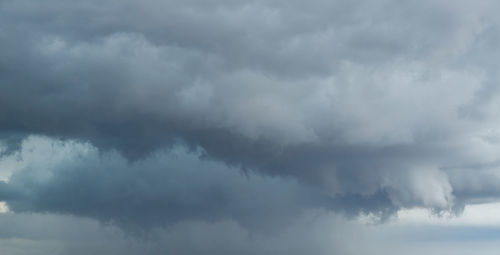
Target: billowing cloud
[(74, 179), (352, 106)]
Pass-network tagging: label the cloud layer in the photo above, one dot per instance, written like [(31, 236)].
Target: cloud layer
[(352, 106), (73, 179)]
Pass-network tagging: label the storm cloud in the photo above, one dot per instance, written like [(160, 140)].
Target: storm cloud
[(151, 193), (252, 111)]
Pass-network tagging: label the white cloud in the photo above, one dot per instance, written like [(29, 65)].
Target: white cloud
[(474, 215)]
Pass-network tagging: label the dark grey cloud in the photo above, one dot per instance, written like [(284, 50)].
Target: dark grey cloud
[(155, 192), (74, 179), (372, 105)]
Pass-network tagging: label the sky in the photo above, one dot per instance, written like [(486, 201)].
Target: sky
[(249, 127)]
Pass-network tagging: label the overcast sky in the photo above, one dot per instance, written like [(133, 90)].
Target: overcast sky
[(249, 127)]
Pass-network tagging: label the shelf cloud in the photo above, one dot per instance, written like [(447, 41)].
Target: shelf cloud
[(160, 112)]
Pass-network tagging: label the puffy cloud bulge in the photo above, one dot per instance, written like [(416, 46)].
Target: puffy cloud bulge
[(159, 191), (368, 106)]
